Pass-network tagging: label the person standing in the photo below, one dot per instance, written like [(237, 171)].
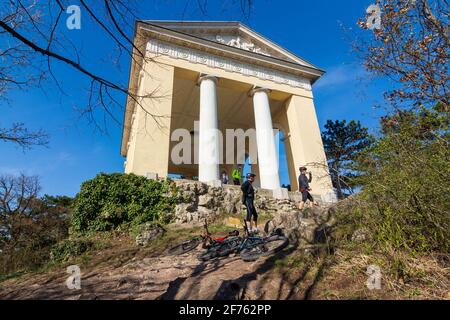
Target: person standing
[(303, 185), (248, 197), (224, 177), (236, 175)]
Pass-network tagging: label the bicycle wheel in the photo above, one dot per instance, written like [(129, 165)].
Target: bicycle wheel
[(208, 255), (253, 246), (229, 246), (185, 246), (268, 247)]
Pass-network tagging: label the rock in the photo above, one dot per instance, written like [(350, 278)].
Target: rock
[(206, 200), (215, 191), (322, 234), (185, 207), (183, 212), (261, 204), (149, 233), (188, 196), (201, 188), (229, 208), (315, 228), (204, 213), (233, 222), (199, 215), (360, 235)]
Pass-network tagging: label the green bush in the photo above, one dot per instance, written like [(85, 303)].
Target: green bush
[(405, 196), (117, 200), (67, 249)]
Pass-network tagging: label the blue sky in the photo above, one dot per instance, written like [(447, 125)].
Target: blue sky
[(77, 151)]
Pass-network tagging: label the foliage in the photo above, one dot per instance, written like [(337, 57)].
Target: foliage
[(29, 225), (112, 200), (405, 200), (69, 248), (343, 142)]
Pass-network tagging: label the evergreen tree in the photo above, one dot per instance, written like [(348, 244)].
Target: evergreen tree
[(342, 142)]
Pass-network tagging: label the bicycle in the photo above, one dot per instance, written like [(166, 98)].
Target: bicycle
[(250, 247), (207, 239)]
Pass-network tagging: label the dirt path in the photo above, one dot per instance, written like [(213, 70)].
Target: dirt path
[(162, 277)]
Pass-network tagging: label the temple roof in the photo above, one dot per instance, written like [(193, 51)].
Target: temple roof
[(234, 34)]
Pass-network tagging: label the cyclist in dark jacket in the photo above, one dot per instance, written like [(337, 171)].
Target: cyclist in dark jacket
[(248, 196), (303, 185)]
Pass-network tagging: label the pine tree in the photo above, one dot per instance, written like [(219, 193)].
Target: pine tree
[(342, 142)]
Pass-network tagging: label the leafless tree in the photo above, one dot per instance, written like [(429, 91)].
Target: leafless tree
[(15, 57), (412, 49), (29, 225), (16, 195), (20, 135)]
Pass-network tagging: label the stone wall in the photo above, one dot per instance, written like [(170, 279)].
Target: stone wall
[(200, 200)]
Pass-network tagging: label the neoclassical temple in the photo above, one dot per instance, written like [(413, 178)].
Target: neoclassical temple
[(208, 77)]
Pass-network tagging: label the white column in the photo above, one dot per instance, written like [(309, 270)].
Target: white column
[(208, 164), (267, 153)]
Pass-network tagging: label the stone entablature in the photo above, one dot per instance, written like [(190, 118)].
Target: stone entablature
[(196, 56)]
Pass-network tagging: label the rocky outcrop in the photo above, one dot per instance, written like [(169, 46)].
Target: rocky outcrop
[(301, 229), (200, 201), (148, 233)]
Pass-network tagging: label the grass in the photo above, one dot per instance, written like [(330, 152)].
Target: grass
[(402, 277), (12, 275), (297, 260)]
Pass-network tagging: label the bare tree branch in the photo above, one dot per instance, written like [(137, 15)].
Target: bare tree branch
[(21, 136)]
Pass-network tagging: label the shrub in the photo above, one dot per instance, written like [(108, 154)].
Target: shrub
[(404, 199), (112, 200), (67, 249)]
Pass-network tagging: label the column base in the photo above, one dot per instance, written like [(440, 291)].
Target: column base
[(281, 193), (214, 183), (151, 175)]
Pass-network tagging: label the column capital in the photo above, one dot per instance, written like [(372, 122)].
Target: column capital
[(204, 76), (252, 92)]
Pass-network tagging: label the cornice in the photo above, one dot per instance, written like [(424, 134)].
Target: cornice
[(158, 48)]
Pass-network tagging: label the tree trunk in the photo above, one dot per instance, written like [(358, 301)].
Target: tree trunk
[(340, 195)]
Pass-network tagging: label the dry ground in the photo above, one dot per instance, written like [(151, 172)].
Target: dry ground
[(123, 271)]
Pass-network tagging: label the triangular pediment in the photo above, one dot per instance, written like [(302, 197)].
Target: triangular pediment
[(233, 34)]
